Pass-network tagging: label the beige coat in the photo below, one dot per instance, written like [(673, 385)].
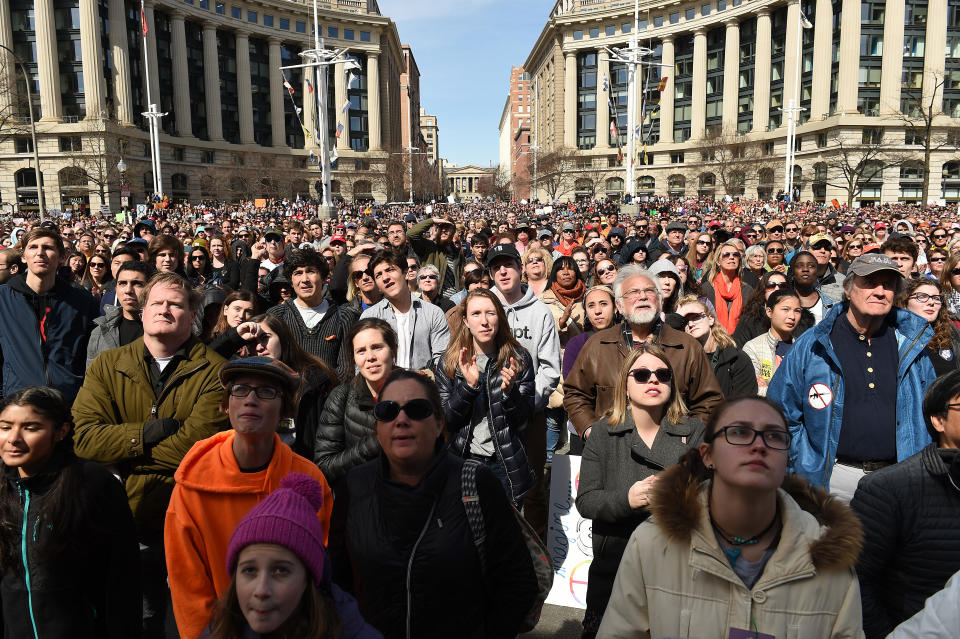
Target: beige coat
[(571, 329), (675, 581)]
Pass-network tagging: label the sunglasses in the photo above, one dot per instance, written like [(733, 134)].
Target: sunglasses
[(775, 285), (705, 242), (417, 409), (194, 258), (939, 236), (608, 269), (273, 239), (775, 229), (822, 246), (751, 235), (937, 259), (725, 255), (97, 265), (358, 275), (775, 251), (955, 270), (792, 229), (534, 260), (429, 276), (851, 247), (689, 318), (642, 375)]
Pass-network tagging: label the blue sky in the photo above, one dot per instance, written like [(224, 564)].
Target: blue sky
[(464, 49)]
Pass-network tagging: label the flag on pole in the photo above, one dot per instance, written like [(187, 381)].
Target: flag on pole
[(346, 105), (643, 158), (606, 84), (610, 104), (334, 156), (351, 76), (305, 132), (309, 86), (143, 20), (613, 130), (662, 86), (339, 129), (620, 155), (288, 86)]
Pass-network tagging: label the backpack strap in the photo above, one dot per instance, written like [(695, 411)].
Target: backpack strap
[(471, 504)]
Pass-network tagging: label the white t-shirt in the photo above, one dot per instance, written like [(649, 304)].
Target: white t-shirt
[(162, 362), (312, 314), (817, 310), (403, 337)]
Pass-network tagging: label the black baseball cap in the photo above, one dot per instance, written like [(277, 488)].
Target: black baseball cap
[(498, 251)]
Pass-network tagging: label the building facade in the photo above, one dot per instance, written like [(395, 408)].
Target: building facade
[(866, 75), (464, 182), (515, 158), (430, 129), (236, 125)]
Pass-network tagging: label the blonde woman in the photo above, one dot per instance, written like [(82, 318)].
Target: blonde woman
[(537, 265), (723, 286), (732, 367)]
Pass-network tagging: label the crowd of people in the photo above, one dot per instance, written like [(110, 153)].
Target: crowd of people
[(237, 421)]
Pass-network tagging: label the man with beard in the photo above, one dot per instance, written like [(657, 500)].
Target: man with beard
[(441, 251), (397, 237), (588, 389)]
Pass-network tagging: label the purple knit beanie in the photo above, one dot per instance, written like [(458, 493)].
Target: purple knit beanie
[(288, 518)]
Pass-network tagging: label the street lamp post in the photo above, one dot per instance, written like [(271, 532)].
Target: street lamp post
[(41, 201), (122, 167)]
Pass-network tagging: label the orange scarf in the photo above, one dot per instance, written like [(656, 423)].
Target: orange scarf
[(728, 318)]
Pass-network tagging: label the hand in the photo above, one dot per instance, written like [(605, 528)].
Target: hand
[(639, 495), (566, 314), (156, 430), (360, 248), (508, 375), (259, 250), (469, 368), (248, 331), (780, 268)]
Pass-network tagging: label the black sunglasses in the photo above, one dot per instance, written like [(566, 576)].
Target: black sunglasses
[(387, 411), (955, 270), (775, 229), (775, 285), (642, 375), (775, 251), (609, 269)]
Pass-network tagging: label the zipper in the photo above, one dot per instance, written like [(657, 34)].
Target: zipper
[(26, 564), (413, 553), (493, 436)]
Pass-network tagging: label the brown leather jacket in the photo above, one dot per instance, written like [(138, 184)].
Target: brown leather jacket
[(588, 389)]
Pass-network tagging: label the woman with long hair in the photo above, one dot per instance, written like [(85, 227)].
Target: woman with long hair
[(238, 307), (96, 275), (754, 320), (923, 296), (280, 585), (346, 436), (851, 251), (950, 287), (486, 383), (362, 291), (699, 253), (731, 366), (565, 289), (723, 286), (646, 431), (165, 253), (537, 264), (671, 284), (199, 270), (604, 272), (749, 547), (224, 267), (936, 258), (768, 350), (69, 557), (599, 312), (77, 263)]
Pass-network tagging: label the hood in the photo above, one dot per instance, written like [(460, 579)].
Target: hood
[(13, 234), (903, 221), (210, 467), (677, 507), (524, 302), (110, 315), (19, 284)]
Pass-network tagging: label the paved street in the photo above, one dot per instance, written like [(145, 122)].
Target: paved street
[(558, 622)]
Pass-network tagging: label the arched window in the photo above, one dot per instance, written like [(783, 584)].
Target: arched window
[(615, 185), (738, 181), (72, 176), (951, 171), (646, 183), (179, 182)]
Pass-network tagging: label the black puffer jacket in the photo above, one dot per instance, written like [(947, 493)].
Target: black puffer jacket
[(507, 417), (407, 554), (92, 591), (911, 520), (346, 435), (314, 391), (734, 371)]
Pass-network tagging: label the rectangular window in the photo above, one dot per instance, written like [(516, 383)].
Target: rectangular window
[(252, 16), (625, 28), (333, 32), (203, 4), (675, 17), (235, 13), (220, 8), (364, 36), (595, 32), (207, 157), (348, 34), (267, 21), (658, 21), (705, 10), (721, 5), (676, 157), (870, 77), (188, 1), (578, 34), (767, 148), (23, 145), (913, 46), (71, 143), (872, 135), (301, 27), (610, 30), (177, 154), (690, 14), (283, 23), (871, 44)]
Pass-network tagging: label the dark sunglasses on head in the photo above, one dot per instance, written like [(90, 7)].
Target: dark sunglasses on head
[(387, 411), (642, 375), (775, 251)]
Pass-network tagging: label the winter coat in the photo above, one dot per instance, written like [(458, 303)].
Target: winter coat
[(346, 434), (116, 399), (734, 371), (106, 333), (210, 499), (575, 322), (506, 416), (911, 521), (325, 340), (588, 390), (92, 594), (446, 259), (315, 387), (676, 581), (429, 330), (939, 619), (43, 338), (812, 360), (831, 283), (407, 553)]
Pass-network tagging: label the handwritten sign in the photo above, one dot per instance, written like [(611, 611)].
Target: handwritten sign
[(569, 536)]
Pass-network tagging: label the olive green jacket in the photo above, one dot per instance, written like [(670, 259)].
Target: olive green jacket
[(117, 398)]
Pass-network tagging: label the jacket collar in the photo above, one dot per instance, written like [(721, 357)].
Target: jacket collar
[(940, 461), (660, 456), (135, 366)]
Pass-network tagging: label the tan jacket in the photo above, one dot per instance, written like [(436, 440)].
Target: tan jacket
[(572, 328), (675, 581)]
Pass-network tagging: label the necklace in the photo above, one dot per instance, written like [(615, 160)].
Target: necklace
[(734, 540)]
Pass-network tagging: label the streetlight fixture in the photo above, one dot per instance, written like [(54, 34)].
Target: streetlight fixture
[(41, 201), (122, 167), (793, 107)]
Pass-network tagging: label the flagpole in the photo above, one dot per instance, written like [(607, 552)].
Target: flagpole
[(152, 113)]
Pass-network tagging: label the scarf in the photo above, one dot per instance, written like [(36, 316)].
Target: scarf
[(728, 318), (567, 295)]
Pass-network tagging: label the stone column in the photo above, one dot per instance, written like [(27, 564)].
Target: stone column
[(152, 55), (373, 98), (6, 39), (790, 62), (123, 96), (211, 82), (244, 95), (761, 73), (666, 97), (309, 109), (278, 129), (339, 96), (891, 78), (181, 77), (603, 109), (731, 76), (934, 54), (822, 51), (92, 59), (48, 74), (698, 111), (850, 57), (570, 100)]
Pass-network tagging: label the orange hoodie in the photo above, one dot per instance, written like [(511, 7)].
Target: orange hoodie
[(210, 498)]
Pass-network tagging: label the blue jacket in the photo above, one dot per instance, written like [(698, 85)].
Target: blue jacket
[(43, 338), (814, 419)]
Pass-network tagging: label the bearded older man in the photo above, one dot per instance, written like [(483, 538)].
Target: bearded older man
[(588, 389)]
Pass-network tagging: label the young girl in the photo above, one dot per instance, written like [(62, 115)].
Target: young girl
[(280, 579), (766, 351), (69, 556)]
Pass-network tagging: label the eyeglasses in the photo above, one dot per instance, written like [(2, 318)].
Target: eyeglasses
[(412, 267), (775, 285), (534, 260), (329, 258), (775, 251), (642, 375), (727, 254), (923, 298), (197, 258), (109, 237), (417, 409), (851, 247), (635, 293), (690, 318), (792, 229), (600, 249), (775, 229), (262, 392), (751, 235), (428, 276), (745, 436)]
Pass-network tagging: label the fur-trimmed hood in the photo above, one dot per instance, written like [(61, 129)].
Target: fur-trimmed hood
[(678, 507)]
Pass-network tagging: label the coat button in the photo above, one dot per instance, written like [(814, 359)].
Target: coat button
[(759, 596), (133, 441)]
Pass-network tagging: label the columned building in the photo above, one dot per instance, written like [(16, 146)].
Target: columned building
[(235, 124), (463, 182), (713, 95)]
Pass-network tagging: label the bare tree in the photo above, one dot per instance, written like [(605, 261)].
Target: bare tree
[(555, 172), (495, 186), (14, 113), (927, 126), (97, 153), (732, 158), (856, 158)]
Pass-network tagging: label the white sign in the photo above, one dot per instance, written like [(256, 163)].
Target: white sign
[(569, 536), (820, 396), (141, 209), (428, 210), (105, 209)]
